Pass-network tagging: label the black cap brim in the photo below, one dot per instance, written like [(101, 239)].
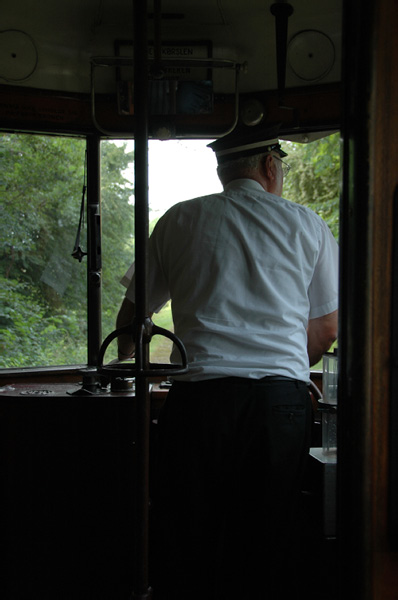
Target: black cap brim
[(246, 143)]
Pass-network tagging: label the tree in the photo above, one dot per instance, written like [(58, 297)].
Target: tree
[(43, 289), (314, 180), (117, 212), (41, 182)]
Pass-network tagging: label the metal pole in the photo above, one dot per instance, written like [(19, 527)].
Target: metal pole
[(355, 424), (141, 300), (94, 264), (281, 11)]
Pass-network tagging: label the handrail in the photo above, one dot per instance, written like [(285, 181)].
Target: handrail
[(124, 61), (142, 334)]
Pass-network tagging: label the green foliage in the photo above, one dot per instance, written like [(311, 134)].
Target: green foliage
[(117, 213), (31, 335), (314, 179), (43, 319)]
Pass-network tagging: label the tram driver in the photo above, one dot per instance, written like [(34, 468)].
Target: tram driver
[(253, 282)]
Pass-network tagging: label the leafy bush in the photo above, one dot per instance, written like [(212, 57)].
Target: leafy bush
[(43, 289)]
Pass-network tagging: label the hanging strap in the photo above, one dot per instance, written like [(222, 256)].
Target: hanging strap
[(77, 251)]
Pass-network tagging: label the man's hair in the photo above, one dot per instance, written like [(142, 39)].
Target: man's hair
[(239, 168)]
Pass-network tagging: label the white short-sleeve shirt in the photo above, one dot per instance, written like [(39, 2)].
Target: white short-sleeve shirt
[(245, 270)]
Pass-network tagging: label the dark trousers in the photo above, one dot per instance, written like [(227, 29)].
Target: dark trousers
[(231, 457)]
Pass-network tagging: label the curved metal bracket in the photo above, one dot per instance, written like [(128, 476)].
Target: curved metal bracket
[(142, 334)]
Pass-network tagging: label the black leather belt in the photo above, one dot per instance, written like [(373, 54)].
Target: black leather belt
[(277, 378), (245, 380), (266, 379)]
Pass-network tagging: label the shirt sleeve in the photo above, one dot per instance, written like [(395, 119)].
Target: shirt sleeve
[(128, 276), (158, 290), (323, 291)]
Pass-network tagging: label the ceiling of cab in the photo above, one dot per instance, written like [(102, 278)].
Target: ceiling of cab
[(50, 45)]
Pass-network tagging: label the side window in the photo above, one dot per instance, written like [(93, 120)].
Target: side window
[(117, 222), (43, 289)]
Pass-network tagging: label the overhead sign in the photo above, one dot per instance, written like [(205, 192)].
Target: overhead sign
[(182, 53)]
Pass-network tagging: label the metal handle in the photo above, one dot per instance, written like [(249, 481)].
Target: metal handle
[(142, 334)]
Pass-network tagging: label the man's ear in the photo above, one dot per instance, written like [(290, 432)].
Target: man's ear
[(268, 167)]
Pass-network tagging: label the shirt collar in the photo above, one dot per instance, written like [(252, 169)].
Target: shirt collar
[(244, 183)]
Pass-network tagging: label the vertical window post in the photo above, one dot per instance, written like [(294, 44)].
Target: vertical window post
[(94, 261)]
